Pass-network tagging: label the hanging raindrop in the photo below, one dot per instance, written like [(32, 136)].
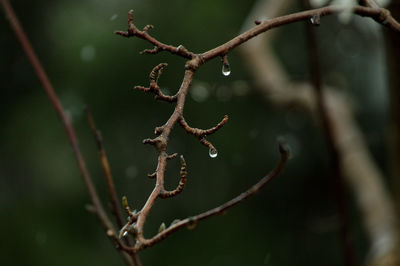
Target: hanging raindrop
[(213, 152), (226, 69), (315, 20)]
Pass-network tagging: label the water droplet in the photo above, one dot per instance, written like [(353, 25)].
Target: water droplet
[(226, 69), (213, 152), (315, 20)]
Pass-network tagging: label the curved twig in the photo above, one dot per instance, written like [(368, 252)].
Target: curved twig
[(191, 222), (167, 194), (196, 60)]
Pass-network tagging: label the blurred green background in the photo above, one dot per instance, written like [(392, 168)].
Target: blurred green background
[(293, 221)]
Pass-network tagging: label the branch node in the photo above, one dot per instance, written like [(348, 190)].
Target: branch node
[(148, 27), (160, 143), (384, 16), (158, 130), (153, 175), (192, 224)]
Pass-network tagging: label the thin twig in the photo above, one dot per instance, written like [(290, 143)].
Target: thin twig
[(116, 208), (380, 15), (158, 46), (48, 87), (191, 222)]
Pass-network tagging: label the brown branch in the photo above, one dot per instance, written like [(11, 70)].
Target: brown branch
[(191, 222), (163, 132), (158, 46), (48, 87), (168, 194), (154, 88), (200, 133), (380, 15), (116, 208)]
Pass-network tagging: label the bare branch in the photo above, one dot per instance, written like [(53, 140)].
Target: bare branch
[(116, 209), (380, 15), (167, 194), (191, 222), (158, 46), (154, 88), (163, 132)]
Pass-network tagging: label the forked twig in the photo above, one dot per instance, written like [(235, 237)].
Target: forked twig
[(135, 225), (192, 221), (196, 60)]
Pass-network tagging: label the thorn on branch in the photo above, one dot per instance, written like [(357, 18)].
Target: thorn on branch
[(167, 194)]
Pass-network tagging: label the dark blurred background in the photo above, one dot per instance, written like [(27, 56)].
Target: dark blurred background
[(293, 221)]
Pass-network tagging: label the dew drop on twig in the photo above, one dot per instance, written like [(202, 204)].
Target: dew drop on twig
[(226, 69), (315, 20), (213, 152)]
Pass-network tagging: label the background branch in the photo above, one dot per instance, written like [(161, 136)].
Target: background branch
[(48, 87), (359, 169)]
